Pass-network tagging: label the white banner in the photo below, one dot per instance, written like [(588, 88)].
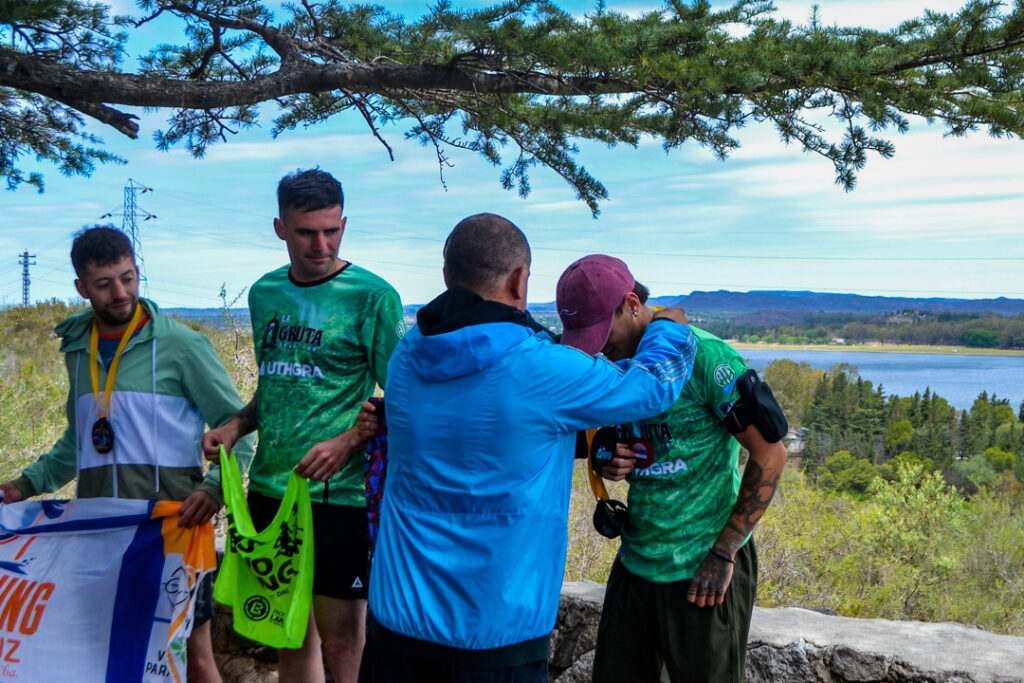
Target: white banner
[(98, 589)]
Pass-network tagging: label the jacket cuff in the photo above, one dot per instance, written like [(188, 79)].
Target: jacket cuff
[(25, 486), (214, 491)]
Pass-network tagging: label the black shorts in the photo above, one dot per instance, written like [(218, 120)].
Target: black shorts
[(204, 601), (341, 545)]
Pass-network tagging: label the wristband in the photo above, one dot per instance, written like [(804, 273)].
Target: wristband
[(722, 556)]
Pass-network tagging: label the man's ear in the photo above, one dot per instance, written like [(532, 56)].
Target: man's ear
[(81, 289), (279, 228), (516, 286), (444, 271), (631, 303)]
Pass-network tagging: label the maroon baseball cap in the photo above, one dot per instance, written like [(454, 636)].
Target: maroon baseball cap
[(588, 293)]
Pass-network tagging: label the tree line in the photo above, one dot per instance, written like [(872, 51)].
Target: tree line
[(907, 327), (853, 433)]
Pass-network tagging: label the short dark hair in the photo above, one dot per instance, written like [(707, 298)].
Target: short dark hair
[(482, 249), (99, 245), (309, 190), (641, 292)]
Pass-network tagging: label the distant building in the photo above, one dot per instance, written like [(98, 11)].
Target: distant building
[(795, 439)]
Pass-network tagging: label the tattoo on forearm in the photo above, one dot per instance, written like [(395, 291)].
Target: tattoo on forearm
[(756, 492), (249, 416)]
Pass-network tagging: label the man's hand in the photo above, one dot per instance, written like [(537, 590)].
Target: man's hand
[(367, 422), (226, 435), (673, 313), (622, 464), (708, 585), (327, 457), (197, 509), (12, 494)]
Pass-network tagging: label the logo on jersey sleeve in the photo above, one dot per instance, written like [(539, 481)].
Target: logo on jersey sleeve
[(724, 374)]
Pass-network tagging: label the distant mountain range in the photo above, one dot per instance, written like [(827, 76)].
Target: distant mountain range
[(836, 303), (726, 302)]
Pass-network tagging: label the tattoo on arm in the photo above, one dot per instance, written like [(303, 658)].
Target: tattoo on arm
[(756, 492), (716, 572), (249, 417)]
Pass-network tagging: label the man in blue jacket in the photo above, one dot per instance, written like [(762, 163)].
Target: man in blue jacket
[(483, 411)]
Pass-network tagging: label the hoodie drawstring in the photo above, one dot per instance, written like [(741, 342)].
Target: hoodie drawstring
[(156, 435), (78, 437)]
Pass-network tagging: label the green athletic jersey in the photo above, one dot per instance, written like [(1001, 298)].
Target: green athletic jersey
[(682, 495), (320, 347)]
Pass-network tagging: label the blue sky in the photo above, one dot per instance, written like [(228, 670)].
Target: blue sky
[(942, 218)]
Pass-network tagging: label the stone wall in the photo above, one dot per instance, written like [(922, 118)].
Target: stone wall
[(785, 645), (802, 646)]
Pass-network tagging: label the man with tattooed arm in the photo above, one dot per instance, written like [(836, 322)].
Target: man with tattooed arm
[(682, 588)]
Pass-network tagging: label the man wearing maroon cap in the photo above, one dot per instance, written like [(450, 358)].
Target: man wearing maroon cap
[(682, 588), (483, 410)]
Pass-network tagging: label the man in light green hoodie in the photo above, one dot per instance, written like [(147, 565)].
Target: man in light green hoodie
[(142, 389)]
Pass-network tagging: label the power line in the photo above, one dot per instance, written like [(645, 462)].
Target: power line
[(732, 256), (130, 225), (790, 257)]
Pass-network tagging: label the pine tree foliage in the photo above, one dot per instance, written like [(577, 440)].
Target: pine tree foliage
[(520, 83), (855, 432)]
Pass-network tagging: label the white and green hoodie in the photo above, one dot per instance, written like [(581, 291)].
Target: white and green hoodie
[(169, 386)]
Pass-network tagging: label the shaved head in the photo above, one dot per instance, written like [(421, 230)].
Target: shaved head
[(482, 250)]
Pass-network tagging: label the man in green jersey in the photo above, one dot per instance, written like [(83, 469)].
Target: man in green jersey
[(682, 588), (323, 331)]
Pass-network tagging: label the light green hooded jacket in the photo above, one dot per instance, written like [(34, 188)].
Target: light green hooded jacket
[(170, 384)]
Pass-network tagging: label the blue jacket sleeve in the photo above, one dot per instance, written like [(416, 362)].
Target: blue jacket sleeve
[(592, 392)]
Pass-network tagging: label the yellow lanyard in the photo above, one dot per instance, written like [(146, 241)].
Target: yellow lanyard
[(94, 361), (597, 486)]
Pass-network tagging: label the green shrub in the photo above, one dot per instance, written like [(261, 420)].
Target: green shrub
[(846, 472)]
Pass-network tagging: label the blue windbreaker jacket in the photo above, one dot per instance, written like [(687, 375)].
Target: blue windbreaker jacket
[(482, 426)]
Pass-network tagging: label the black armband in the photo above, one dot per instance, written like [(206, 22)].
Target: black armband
[(756, 406)]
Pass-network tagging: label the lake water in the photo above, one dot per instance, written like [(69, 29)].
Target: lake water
[(958, 378)]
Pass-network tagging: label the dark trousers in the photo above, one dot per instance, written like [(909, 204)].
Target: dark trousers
[(649, 632), (386, 666)]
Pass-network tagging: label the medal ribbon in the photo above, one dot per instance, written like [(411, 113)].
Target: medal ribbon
[(94, 361), (597, 486)]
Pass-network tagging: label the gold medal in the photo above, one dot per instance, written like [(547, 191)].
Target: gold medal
[(102, 429)]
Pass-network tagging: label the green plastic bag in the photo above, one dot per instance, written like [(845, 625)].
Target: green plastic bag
[(267, 577)]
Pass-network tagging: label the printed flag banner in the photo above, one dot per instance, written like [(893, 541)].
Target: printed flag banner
[(267, 576), (98, 589)]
